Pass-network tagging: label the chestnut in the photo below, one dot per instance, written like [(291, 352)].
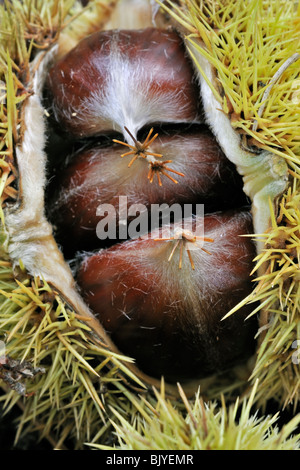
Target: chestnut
[(123, 78), (162, 297), (197, 172)]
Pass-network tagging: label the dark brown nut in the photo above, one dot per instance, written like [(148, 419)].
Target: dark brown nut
[(117, 79), (191, 169), (163, 304)]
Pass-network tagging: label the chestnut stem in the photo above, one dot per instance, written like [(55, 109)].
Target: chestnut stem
[(187, 237)]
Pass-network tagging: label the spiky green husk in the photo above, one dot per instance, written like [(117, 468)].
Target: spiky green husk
[(78, 376), (78, 389), (255, 48), (202, 426), (247, 43), (278, 290)]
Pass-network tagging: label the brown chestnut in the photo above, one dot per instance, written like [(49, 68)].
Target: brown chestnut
[(197, 172), (163, 302), (117, 79)]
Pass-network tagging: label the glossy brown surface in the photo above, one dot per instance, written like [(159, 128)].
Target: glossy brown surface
[(100, 176), (169, 319), (128, 78)]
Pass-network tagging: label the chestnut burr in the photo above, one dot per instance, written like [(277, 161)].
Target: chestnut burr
[(117, 79), (162, 299)]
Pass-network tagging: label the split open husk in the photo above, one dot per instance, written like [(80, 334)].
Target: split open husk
[(76, 382)]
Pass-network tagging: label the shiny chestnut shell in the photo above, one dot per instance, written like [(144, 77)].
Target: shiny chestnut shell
[(117, 78), (170, 319), (98, 176)]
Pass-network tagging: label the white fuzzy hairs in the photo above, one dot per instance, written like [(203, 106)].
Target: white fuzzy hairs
[(123, 83), (215, 270), (127, 99)]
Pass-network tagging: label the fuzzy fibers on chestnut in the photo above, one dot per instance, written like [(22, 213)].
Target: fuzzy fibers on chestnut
[(117, 79), (98, 175), (169, 317)]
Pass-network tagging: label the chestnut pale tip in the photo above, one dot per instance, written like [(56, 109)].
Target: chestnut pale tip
[(142, 150), (184, 239)]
